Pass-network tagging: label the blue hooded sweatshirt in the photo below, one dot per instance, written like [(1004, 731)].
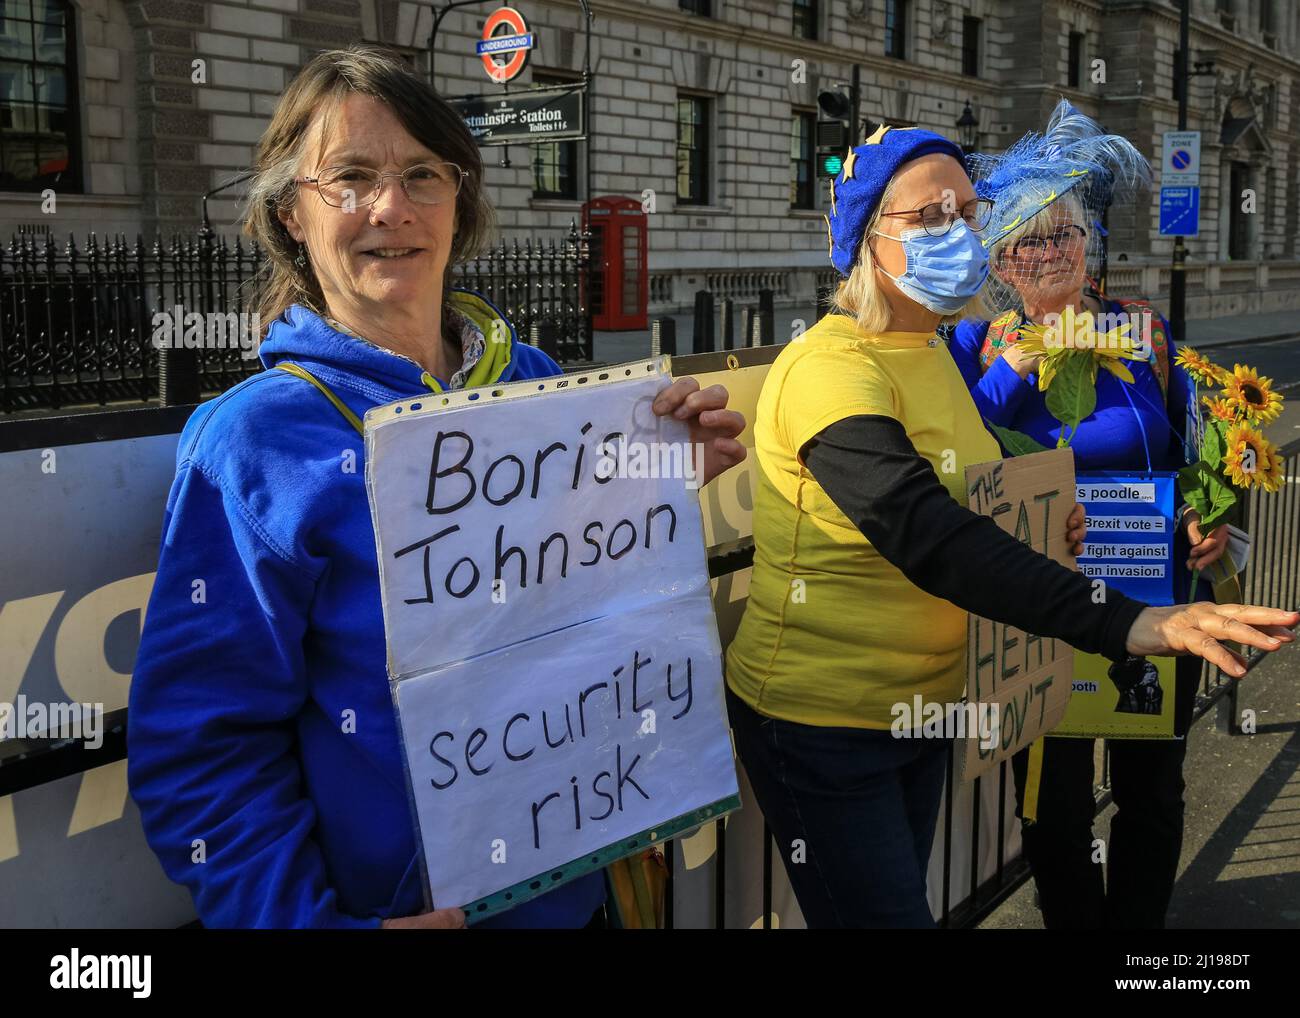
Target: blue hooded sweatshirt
[(263, 751)]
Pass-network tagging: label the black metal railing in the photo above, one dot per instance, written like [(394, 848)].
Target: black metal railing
[(83, 324), (539, 286), (78, 322)]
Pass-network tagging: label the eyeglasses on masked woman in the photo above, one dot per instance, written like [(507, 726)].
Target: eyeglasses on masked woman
[(937, 217)]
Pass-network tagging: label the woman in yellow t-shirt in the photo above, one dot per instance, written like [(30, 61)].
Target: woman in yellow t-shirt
[(865, 562)]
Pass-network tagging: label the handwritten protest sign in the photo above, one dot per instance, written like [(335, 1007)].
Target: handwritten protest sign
[(554, 658), (1020, 680)]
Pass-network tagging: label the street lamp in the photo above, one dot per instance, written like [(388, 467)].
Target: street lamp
[(968, 129)]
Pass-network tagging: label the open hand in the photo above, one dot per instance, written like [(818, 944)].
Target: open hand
[(1198, 629)]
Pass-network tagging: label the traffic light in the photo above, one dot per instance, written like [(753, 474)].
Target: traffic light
[(832, 143), (832, 132)]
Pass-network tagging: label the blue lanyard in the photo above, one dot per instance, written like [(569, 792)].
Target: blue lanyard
[(1146, 446)]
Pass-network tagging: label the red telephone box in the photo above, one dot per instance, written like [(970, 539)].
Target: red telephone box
[(620, 288)]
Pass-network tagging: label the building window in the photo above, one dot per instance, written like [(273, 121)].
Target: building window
[(896, 29), (1266, 22), (38, 133), (555, 163), (970, 46), (803, 169), (704, 8), (805, 19), (692, 150), (1238, 232), (1075, 58), (1268, 107)]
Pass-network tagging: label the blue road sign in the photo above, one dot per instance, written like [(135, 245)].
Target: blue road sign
[(1180, 211)]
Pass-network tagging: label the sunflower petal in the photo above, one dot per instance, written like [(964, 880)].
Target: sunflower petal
[(1118, 370)]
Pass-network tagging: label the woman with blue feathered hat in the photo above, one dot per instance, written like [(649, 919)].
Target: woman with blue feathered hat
[(1045, 242), (866, 560)]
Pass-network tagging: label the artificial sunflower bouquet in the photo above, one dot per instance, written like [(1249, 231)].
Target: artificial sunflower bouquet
[(1234, 454)]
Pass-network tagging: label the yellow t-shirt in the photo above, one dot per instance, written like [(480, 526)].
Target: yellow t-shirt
[(833, 634)]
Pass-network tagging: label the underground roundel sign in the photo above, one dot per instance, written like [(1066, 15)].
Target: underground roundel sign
[(505, 44)]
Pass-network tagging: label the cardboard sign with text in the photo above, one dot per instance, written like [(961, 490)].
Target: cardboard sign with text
[(1021, 680)]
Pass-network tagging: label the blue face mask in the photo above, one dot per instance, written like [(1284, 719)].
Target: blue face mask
[(943, 273)]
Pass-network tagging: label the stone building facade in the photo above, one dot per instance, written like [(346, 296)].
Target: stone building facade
[(709, 104)]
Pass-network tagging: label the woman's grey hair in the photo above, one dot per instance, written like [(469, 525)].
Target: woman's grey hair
[(320, 89)]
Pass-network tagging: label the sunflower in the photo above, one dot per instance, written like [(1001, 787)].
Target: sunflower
[(1202, 369), (1079, 335), (1251, 459), (1221, 409), (1252, 395)]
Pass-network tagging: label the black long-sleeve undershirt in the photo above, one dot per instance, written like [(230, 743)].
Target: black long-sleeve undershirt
[(872, 472)]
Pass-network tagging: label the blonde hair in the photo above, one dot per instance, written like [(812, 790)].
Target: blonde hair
[(321, 86), (861, 295)]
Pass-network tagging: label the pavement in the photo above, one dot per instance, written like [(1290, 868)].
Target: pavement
[(1240, 867), (1232, 330)]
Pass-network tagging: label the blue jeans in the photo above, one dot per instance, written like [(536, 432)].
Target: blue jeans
[(852, 812)]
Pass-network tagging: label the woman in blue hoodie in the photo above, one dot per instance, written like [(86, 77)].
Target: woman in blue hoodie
[(264, 632)]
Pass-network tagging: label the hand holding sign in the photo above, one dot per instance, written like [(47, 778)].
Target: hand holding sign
[(714, 429), (439, 919), (1076, 528)]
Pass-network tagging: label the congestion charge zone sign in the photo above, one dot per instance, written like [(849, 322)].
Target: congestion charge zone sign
[(1130, 542), (1180, 184)]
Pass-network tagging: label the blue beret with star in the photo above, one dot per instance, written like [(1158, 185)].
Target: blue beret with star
[(857, 190)]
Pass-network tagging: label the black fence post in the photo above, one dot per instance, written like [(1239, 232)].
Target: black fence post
[(823, 301), (178, 376), (583, 275), (663, 337), (702, 340), (541, 334), (727, 316), (766, 318)]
